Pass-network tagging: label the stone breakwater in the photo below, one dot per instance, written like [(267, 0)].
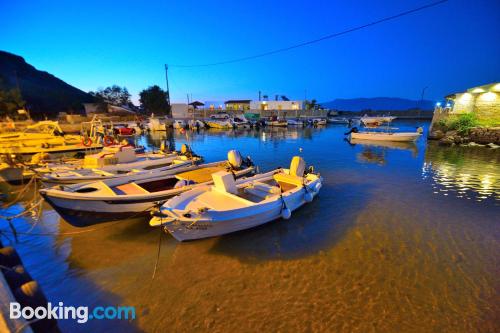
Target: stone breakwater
[(480, 135)]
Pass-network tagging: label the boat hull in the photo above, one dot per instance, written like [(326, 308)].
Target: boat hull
[(226, 222), (398, 137)]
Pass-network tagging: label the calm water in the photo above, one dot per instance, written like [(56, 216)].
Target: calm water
[(403, 238)]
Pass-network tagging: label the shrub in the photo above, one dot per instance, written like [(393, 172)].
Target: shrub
[(463, 123)]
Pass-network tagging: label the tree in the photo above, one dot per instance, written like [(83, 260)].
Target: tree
[(310, 105), (154, 100), (10, 101), (114, 95)]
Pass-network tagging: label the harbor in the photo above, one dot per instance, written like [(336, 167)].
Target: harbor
[(384, 207), (250, 166)]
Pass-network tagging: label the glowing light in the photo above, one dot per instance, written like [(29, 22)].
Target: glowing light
[(496, 87), (438, 104), (488, 97), (465, 98), (478, 90), (448, 105)]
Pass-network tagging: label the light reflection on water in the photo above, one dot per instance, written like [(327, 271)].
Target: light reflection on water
[(377, 251)]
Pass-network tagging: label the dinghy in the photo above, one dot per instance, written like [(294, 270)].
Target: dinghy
[(383, 136), (295, 122), (134, 195), (123, 162), (229, 206)]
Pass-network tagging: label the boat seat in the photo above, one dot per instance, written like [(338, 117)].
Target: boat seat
[(288, 182), (262, 190), (129, 189), (201, 175)]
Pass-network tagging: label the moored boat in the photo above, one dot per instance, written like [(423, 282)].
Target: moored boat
[(376, 120), (134, 195), (229, 206), (123, 162), (386, 136), (295, 122)]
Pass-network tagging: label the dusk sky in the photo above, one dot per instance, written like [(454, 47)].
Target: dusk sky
[(91, 44)]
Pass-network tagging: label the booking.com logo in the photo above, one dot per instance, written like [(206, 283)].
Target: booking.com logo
[(80, 313)]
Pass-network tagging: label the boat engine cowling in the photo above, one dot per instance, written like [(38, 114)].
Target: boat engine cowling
[(297, 166), (234, 158), (185, 149)]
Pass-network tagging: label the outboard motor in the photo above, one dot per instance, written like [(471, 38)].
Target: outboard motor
[(297, 166), (352, 130), (234, 158), (185, 149)]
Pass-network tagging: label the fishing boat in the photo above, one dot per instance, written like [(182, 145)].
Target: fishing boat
[(295, 122), (229, 206), (135, 195), (276, 122), (376, 120), (221, 124), (47, 137), (14, 174), (107, 165)]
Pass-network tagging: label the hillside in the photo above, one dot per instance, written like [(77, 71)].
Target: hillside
[(45, 94), (377, 104)]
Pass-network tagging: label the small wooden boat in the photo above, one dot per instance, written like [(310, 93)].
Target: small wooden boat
[(229, 206), (276, 122), (220, 124), (134, 195), (196, 124), (386, 136)]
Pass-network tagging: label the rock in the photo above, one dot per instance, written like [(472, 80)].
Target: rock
[(447, 141), (436, 135), (492, 145)]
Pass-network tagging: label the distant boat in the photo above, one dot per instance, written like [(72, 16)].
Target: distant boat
[(229, 206), (179, 123), (155, 125), (276, 122), (338, 120), (295, 122), (318, 121), (376, 121), (221, 124), (240, 121)]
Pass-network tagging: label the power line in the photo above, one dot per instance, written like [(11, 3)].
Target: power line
[(334, 35)]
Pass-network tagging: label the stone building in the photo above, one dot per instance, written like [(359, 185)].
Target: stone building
[(483, 101)]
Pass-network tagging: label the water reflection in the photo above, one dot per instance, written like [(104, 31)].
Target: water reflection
[(466, 172)]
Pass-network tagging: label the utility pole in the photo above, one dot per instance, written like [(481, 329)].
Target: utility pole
[(168, 90), (422, 100)]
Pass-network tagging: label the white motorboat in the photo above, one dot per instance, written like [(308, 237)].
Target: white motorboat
[(338, 120), (134, 195), (239, 121), (229, 206), (124, 162), (376, 120), (295, 122), (179, 123), (155, 124), (318, 121), (196, 124)]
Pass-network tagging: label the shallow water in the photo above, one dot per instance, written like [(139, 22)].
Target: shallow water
[(402, 238)]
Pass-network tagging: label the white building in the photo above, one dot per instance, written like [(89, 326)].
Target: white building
[(180, 111), (276, 105)]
